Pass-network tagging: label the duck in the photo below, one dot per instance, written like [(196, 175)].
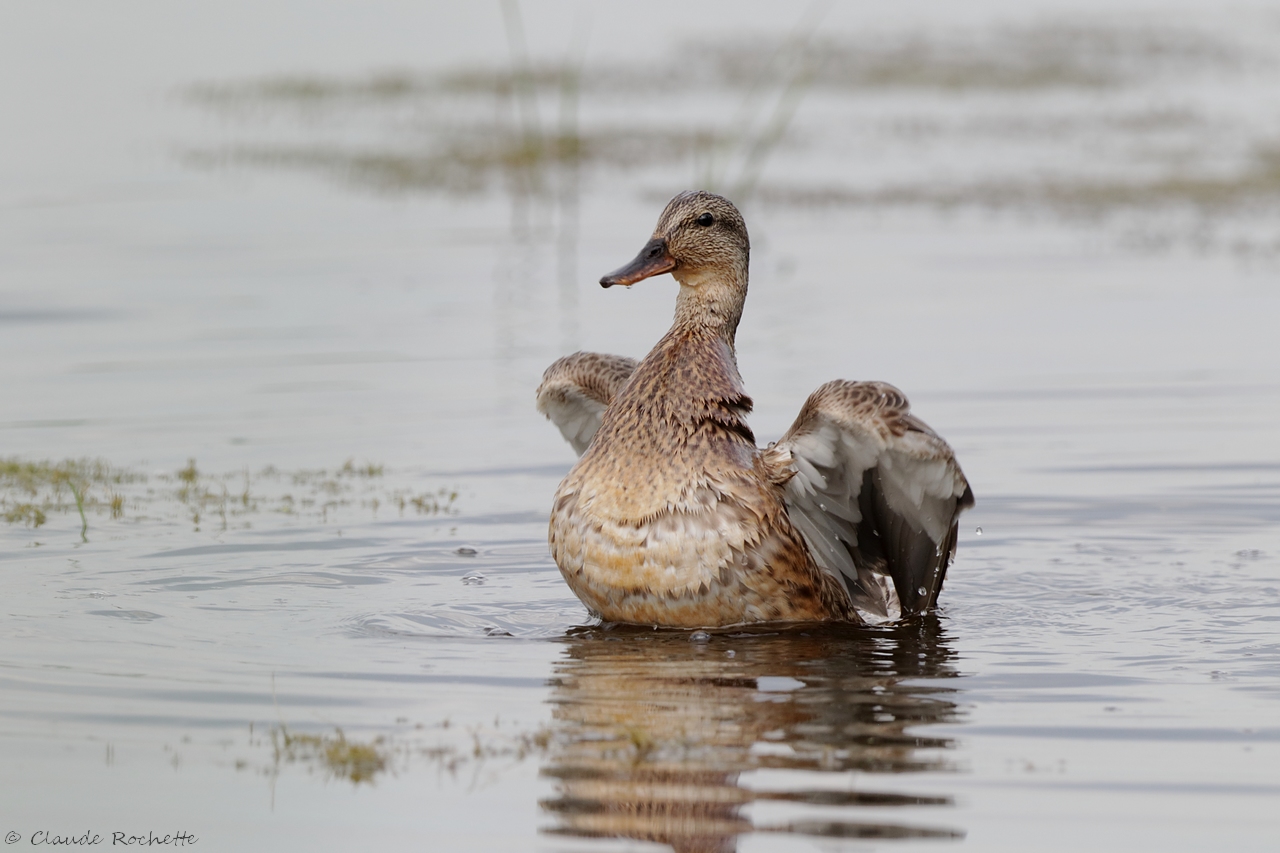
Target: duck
[(673, 516)]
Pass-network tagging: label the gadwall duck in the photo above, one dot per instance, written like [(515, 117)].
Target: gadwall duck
[(673, 516)]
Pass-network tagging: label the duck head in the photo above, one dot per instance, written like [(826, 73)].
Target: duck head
[(700, 236)]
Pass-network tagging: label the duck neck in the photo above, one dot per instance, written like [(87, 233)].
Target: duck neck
[(711, 300)]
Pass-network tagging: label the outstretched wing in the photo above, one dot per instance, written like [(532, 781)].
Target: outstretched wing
[(576, 390), (875, 494)]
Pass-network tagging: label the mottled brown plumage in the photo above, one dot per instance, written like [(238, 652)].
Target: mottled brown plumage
[(576, 390), (674, 517)]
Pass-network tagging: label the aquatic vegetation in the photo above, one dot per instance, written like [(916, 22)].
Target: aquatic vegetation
[(31, 477), (1208, 199), (448, 748), (341, 758), (1258, 180), (26, 513), (1046, 55), (30, 492), (367, 470), (302, 89), (468, 162), (730, 114)]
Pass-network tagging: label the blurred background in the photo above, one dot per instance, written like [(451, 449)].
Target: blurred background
[(295, 229), (278, 281)]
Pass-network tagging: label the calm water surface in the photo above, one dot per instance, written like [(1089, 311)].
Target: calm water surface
[(292, 282)]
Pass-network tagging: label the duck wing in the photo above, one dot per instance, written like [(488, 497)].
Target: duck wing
[(875, 494), (576, 390)]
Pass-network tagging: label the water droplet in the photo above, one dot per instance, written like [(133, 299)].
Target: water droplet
[(473, 579), (978, 532), (921, 591), (699, 637), (466, 552)]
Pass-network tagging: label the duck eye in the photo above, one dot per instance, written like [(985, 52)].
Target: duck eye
[(705, 220)]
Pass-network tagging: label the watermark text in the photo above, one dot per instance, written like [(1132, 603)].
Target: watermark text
[(44, 838)]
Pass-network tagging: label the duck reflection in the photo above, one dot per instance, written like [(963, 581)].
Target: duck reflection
[(668, 739)]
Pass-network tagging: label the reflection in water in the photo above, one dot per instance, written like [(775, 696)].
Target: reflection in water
[(654, 731)]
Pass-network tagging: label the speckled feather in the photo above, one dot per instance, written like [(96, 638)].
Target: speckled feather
[(669, 518), (577, 388), (673, 516)]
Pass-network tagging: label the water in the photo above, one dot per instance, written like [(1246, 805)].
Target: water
[(239, 238)]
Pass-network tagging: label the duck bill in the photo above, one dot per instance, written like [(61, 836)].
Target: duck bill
[(652, 260)]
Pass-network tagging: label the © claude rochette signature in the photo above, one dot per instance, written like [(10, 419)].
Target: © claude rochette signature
[(113, 839)]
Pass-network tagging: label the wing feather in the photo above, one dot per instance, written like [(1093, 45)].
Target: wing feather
[(577, 389), (876, 494)]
